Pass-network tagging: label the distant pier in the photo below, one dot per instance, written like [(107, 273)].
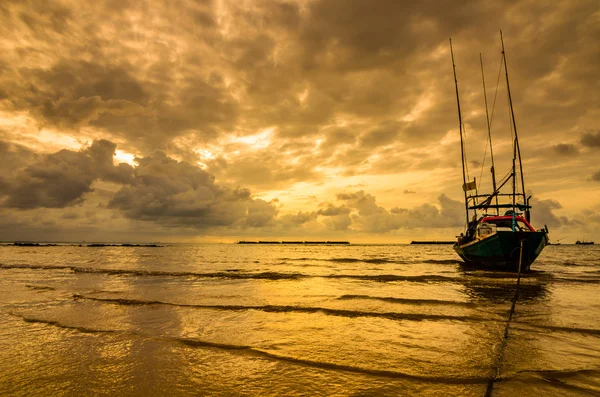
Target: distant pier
[(295, 242)]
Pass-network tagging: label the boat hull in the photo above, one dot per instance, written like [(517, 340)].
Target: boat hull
[(502, 250)]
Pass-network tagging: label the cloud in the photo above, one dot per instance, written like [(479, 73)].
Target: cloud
[(375, 219), (596, 176), (565, 149), (14, 156), (179, 194), (61, 179), (591, 139), (542, 213)]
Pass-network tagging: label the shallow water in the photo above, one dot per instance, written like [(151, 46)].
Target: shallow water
[(289, 320)]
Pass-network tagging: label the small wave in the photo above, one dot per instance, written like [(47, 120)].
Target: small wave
[(227, 274), (589, 331), (355, 260), (572, 264), (408, 301), (442, 261), (268, 355), (571, 382), (393, 277), (291, 309), (235, 275), (578, 280), (349, 260), (561, 373), (60, 325), (40, 287)]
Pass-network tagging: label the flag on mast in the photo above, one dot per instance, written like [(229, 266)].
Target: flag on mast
[(469, 185)]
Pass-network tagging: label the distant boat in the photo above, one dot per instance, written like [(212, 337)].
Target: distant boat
[(584, 242), (503, 242)]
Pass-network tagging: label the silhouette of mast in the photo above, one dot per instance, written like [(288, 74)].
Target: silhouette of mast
[(516, 149), (460, 126), (487, 116)]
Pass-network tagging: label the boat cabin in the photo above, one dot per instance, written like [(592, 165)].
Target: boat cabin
[(489, 225), (505, 223)]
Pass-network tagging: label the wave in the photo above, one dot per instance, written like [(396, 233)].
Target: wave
[(408, 301), (561, 373), (589, 331), (378, 260), (372, 260), (60, 325), (442, 261), (576, 264), (348, 260), (585, 380), (40, 287), (268, 355), (226, 274), (235, 274), (578, 280), (393, 277), (292, 309), (481, 278)]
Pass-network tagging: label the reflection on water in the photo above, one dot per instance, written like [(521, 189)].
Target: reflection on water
[(294, 320)]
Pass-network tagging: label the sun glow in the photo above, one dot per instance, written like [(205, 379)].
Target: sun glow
[(124, 157), (256, 141), (424, 103)]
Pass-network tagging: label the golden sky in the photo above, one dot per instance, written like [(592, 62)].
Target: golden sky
[(222, 120)]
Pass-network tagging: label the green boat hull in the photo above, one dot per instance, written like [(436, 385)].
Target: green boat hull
[(502, 250)]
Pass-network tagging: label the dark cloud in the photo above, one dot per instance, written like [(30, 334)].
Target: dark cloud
[(596, 176), (375, 219), (298, 219), (178, 194), (328, 209), (61, 179), (14, 156), (591, 139), (565, 149), (542, 213)]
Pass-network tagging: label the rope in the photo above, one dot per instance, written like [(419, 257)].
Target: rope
[(496, 93), (500, 357)]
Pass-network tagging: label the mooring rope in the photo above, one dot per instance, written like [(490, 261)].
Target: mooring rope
[(500, 356)]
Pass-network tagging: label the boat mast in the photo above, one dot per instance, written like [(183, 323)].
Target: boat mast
[(460, 124), (487, 116), (517, 149)]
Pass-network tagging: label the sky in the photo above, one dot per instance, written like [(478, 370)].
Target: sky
[(214, 121)]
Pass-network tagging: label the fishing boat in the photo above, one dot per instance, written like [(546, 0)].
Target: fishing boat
[(493, 240), (584, 242)]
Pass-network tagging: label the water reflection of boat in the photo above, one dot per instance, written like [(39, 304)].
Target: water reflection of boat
[(486, 287), (506, 242)]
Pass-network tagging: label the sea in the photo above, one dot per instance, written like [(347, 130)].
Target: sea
[(295, 320)]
